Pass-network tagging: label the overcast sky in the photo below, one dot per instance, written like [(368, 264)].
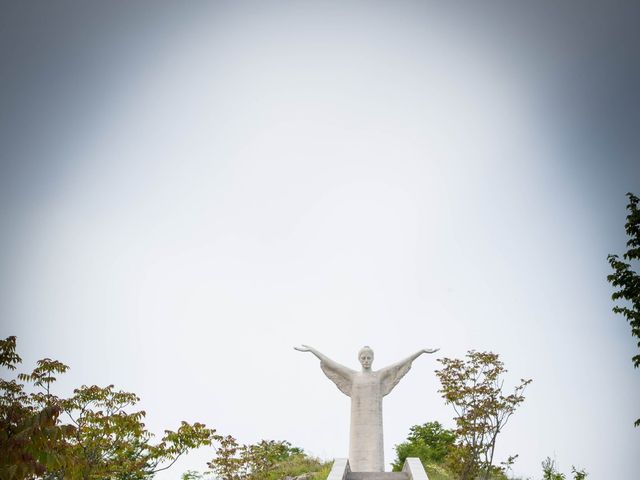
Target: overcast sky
[(188, 190)]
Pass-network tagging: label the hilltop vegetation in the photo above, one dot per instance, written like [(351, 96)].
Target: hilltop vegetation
[(265, 460), (98, 434), (95, 433), (434, 445)]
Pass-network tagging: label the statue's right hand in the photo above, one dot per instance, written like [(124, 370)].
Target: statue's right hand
[(303, 348)]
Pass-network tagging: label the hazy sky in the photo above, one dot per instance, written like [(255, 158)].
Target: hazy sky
[(188, 190)]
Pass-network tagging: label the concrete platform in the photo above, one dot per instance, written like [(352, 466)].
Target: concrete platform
[(378, 476)]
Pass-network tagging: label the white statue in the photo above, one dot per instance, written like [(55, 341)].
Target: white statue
[(366, 389)]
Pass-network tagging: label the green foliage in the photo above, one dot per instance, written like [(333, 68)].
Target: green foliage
[(474, 388), (298, 465), (625, 279), (111, 441), (550, 471), (440, 471), (42, 375), (229, 463), (30, 437), (265, 460), (429, 442), (8, 356), (578, 474), (442, 456), (437, 471), (263, 457), (463, 462), (104, 439)]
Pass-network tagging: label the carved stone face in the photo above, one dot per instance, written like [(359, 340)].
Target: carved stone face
[(366, 357)]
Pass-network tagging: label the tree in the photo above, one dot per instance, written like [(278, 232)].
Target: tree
[(104, 439), (430, 442), (474, 387), (267, 459), (112, 442), (30, 436), (229, 463), (264, 456), (625, 279)]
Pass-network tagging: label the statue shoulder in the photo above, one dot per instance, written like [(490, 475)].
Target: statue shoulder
[(342, 376)]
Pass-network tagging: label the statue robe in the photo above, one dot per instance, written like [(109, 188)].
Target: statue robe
[(366, 389)]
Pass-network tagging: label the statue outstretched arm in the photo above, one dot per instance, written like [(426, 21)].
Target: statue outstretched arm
[(411, 358), (337, 373), (307, 348), (392, 374)]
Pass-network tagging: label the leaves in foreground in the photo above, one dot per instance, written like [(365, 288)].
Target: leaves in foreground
[(96, 433), (625, 279)]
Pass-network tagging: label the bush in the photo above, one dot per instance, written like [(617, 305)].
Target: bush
[(430, 442), (265, 460)]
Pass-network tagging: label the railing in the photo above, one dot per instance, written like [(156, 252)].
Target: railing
[(412, 468), (340, 469)]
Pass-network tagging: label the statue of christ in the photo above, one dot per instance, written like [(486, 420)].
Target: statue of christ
[(366, 389)]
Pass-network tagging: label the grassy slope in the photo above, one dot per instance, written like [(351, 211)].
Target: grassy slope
[(299, 465), (436, 472)]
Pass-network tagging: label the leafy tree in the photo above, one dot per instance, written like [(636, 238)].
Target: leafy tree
[(265, 455), (429, 442), (104, 439), (474, 387), (30, 436), (296, 465), (263, 460), (111, 442), (625, 279), (229, 462)]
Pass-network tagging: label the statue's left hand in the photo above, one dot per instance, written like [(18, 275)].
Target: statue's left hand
[(303, 348), (430, 350)]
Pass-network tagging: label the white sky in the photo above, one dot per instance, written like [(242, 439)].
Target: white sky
[(260, 178)]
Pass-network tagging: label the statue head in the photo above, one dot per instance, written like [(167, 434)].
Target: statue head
[(365, 356)]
